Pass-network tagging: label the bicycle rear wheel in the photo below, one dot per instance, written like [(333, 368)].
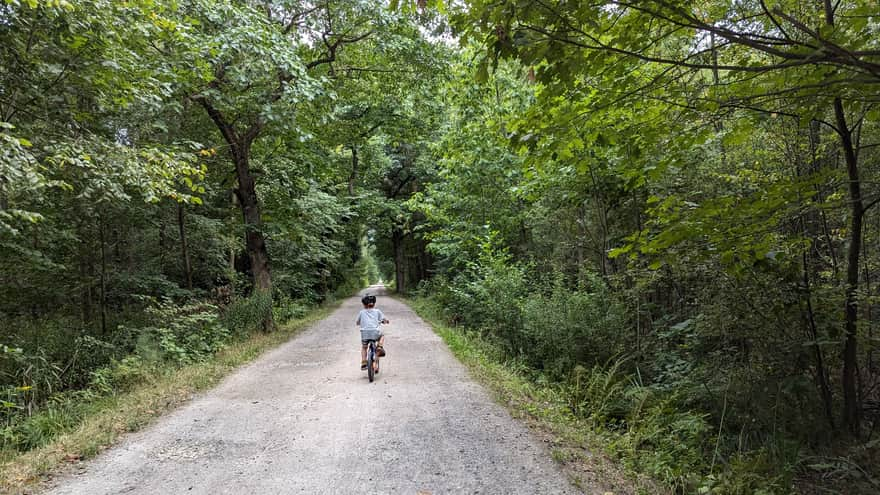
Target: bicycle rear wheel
[(371, 353)]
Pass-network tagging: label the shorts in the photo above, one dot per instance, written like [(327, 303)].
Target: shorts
[(366, 337)]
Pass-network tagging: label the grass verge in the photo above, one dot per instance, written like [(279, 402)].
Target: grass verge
[(571, 441), (105, 419)]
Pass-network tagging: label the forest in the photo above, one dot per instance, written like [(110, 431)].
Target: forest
[(663, 211)]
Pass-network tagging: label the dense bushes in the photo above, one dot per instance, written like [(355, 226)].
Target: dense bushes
[(712, 398), (552, 327), (659, 408)]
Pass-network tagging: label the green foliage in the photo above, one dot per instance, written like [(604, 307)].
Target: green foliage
[(643, 206), (122, 375), (665, 441), (286, 309), (598, 393), (689, 163), (181, 333), (246, 315), (568, 328), (492, 296)]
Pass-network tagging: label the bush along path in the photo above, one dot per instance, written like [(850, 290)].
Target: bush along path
[(304, 419)]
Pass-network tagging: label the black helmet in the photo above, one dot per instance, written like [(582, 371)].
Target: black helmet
[(368, 299)]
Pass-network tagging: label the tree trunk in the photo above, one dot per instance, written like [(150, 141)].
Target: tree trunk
[(87, 277), (254, 240), (184, 249), (851, 406), (240, 149), (103, 298)]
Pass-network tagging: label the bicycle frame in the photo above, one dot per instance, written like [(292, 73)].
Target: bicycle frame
[(371, 358)]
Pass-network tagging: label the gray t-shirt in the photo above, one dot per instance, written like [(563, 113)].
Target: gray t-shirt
[(369, 320)]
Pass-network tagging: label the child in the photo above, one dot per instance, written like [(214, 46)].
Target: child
[(369, 320)]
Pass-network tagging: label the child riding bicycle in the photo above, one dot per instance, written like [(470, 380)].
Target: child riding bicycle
[(369, 320)]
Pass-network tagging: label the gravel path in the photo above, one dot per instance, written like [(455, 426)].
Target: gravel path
[(304, 419)]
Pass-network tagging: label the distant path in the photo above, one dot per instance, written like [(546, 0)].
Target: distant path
[(304, 419)]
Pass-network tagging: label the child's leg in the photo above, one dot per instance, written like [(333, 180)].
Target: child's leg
[(363, 352), (380, 343)]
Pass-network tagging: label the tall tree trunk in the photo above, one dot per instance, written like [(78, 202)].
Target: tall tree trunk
[(254, 240), (103, 299), (240, 149), (184, 249), (851, 405), (852, 411), (87, 277), (253, 223)]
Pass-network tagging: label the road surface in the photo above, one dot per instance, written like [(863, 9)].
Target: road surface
[(304, 419)]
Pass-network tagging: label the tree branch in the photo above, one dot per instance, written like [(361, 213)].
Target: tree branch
[(226, 129), (334, 47)]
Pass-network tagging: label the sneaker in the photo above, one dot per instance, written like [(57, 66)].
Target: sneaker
[(380, 351), (364, 364)]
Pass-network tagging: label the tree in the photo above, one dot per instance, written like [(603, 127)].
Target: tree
[(713, 58)]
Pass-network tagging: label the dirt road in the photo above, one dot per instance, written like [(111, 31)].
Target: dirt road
[(304, 419)]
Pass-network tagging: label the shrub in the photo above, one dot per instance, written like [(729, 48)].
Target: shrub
[(573, 327), (247, 314), (598, 393), (32, 376), (668, 443), (489, 296), (121, 375), (286, 309), (182, 333)]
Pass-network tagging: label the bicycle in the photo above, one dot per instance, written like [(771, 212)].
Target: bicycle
[(371, 359), (373, 353)]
